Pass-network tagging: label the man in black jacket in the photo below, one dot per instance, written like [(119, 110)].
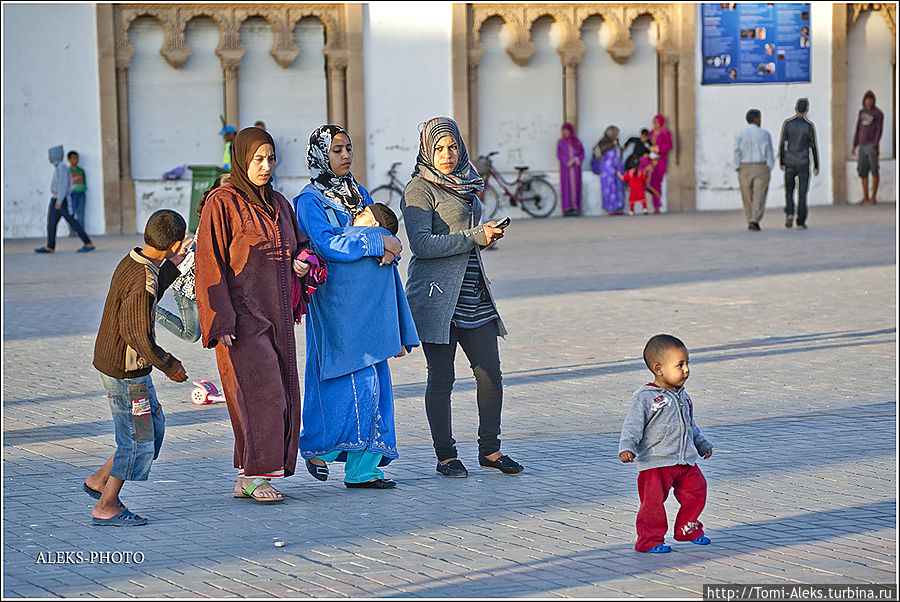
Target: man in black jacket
[(798, 138)]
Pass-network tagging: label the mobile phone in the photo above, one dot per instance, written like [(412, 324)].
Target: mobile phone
[(502, 223)]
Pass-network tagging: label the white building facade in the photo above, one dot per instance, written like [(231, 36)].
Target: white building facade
[(138, 89)]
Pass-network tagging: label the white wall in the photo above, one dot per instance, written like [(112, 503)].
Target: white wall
[(609, 93), (50, 96), (407, 73), (296, 105), (720, 114)]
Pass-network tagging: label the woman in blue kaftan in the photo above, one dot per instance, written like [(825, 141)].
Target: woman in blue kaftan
[(358, 319)]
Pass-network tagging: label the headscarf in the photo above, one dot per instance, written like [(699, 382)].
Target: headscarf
[(464, 179), (608, 141), (343, 189), (662, 122), (245, 145), (869, 94)]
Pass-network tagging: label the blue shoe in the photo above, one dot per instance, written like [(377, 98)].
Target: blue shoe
[(660, 549), (86, 249), (703, 540), (319, 472), (125, 518), (43, 250)]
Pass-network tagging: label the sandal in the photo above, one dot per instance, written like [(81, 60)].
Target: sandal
[(319, 472), (253, 486), (703, 540), (125, 518)]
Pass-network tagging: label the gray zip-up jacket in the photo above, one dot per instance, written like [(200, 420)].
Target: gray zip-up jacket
[(442, 229), (659, 429)]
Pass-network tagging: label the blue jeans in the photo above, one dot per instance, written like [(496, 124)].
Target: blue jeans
[(77, 209), (186, 326), (138, 438), (53, 217)]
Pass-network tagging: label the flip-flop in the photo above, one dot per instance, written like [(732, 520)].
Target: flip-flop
[(91, 492), (249, 489), (125, 518)]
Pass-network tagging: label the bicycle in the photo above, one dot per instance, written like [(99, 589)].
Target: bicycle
[(390, 194), (533, 193)]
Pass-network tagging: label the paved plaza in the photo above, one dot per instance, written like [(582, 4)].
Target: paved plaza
[(792, 337)]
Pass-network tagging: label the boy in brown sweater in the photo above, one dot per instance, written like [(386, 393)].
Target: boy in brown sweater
[(125, 353)]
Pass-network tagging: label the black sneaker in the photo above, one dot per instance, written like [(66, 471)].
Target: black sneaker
[(454, 468), (753, 226), (789, 222), (801, 226), (504, 464)]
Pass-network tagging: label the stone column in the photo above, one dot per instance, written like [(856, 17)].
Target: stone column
[(570, 70), (838, 104), (127, 223), (109, 120), (232, 97), (356, 90), (337, 86), (459, 71), (668, 100), (474, 61)]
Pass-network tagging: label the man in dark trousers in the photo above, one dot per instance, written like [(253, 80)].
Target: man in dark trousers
[(866, 139), (798, 138)]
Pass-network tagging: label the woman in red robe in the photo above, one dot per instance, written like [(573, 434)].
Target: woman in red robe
[(247, 246)]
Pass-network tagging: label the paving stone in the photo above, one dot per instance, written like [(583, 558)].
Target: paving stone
[(792, 338)]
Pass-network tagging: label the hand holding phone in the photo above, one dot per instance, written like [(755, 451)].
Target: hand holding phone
[(502, 223)]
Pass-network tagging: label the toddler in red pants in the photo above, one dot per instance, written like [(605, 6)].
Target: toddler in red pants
[(660, 436)]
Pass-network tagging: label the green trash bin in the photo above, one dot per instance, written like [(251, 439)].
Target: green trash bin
[(202, 178)]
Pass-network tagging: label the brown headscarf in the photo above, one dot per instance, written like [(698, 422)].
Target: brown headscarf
[(244, 147)]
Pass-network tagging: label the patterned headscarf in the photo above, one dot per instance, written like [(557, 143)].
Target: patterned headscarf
[(343, 189), (245, 145), (464, 179)]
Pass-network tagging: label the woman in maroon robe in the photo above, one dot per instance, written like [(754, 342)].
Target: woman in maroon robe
[(660, 143), (570, 153), (247, 246)]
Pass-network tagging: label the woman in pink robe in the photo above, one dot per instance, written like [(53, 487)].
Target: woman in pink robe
[(570, 153), (660, 143)]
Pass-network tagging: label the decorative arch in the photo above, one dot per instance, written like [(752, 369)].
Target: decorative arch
[(343, 57)]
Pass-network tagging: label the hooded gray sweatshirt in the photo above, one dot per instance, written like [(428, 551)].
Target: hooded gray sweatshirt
[(659, 429), (61, 183)]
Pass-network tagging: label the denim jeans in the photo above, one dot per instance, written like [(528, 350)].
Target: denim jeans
[(53, 217), (138, 438), (792, 177), (77, 209), (186, 326), (480, 346)]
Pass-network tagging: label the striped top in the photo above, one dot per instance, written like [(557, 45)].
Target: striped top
[(474, 307)]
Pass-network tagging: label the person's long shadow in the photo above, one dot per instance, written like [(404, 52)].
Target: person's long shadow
[(530, 577), (766, 347)]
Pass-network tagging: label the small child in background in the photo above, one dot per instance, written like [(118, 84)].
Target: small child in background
[(660, 436), (379, 215), (636, 180), (79, 189)]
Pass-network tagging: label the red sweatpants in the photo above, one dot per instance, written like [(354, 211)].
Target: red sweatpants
[(653, 488)]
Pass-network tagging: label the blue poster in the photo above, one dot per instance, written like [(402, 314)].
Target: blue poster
[(755, 43)]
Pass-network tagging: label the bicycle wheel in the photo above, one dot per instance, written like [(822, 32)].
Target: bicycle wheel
[(538, 197), (490, 203), (390, 196)]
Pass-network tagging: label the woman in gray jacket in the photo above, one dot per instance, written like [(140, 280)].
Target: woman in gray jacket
[(448, 293)]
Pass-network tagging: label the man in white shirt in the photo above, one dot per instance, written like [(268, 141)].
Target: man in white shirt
[(754, 160)]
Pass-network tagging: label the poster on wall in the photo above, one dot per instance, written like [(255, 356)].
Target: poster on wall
[(755, 43)]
